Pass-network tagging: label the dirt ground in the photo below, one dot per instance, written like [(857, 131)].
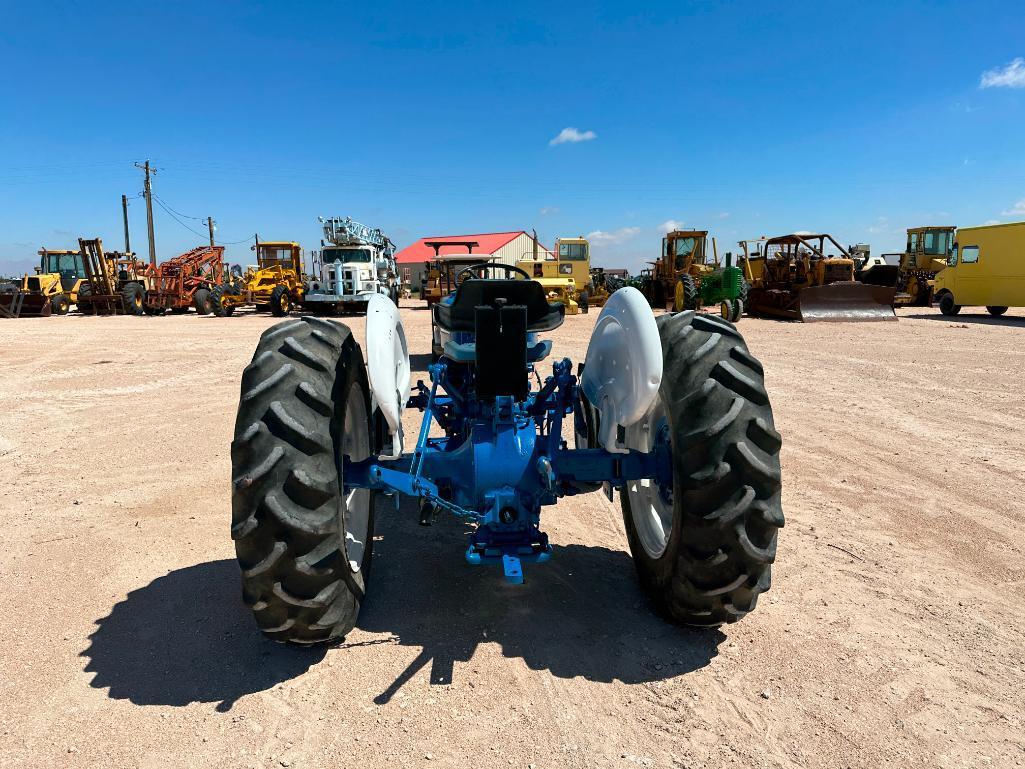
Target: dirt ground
[(893, 634)]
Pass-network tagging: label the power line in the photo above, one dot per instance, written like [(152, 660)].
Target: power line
[(173, 216), (183, 216)]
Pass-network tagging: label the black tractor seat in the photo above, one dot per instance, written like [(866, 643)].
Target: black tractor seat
[(459, 315)]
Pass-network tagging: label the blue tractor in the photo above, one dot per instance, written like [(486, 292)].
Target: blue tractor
[(670, 412)]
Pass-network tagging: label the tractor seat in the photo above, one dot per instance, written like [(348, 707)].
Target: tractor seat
[(458, 315)]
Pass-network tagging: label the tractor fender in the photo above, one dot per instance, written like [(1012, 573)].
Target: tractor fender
[(623, 366), (387, 366)]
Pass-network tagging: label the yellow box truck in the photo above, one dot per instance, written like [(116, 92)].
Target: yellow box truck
[(986, 268)]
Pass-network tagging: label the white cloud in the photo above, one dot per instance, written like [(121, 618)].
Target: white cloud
[(573, 135), (670, 224), (614, 237), (881, 225), (724, 215), (991, 221), (1011, 76), (549, 210), (1018, 209)]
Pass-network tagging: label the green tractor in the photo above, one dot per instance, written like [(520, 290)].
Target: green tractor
[(684, 279)]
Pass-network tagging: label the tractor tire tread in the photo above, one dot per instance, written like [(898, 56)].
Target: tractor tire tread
[(285, 494), (727, 476)]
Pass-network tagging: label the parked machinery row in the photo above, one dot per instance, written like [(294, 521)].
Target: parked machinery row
[(355, 263)]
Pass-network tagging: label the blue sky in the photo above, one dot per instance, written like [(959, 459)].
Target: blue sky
[(745, 118)]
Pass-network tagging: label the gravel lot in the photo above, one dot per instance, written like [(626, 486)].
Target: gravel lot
[(893, 635)]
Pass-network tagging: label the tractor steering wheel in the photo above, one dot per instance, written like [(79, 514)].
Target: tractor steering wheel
[(489, 265)]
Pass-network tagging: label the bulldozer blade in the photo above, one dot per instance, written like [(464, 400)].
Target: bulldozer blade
[(838, 302)]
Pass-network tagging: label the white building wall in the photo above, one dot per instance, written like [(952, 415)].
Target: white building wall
[(520, 247)]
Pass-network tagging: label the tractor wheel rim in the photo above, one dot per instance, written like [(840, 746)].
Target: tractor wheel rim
[(356, 446), (284, 301), (651, 505)]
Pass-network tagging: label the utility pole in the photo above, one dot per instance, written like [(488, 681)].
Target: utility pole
[(147, 192), (210, 226), (124, 213)]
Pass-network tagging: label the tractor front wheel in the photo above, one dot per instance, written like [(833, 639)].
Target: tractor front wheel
[(303, 539), (280, 301), (704, 541), (996, 311), (731, 310)]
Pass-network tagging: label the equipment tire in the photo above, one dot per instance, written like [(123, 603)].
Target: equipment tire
[(686, 297), (280, 301), (947, 305), (996, 310), (132, 296), (724, 508), (201, 301), (59, 304), (304, 545), (217, 303)]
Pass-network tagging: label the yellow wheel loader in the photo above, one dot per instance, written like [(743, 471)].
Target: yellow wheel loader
[(809, 277)]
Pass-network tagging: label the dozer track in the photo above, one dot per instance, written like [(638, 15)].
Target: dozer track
[(839, 302)]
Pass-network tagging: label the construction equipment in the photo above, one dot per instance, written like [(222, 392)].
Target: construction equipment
[(115, 282), (566, 275), (275, 284), (927, 252), (319, 435), (440, 280), (684, 278), (873, 270), (359, 263), (985, 268), (51, 290), (186, 281), (809, 277)]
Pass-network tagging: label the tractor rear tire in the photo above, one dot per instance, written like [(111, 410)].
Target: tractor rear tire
[(201, 301), (686, 297), (132, 296), (59, 304), (280, 301), (947, 305), (996, 310), (704, 547), (303, 544)]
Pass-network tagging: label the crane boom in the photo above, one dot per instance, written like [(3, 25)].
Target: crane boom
[(346, 232)]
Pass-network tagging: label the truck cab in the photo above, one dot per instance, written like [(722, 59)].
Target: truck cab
[(356, 262)]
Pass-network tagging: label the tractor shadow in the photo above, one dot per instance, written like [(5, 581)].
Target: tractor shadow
[(186, 637), (982, 319), (581, 614)]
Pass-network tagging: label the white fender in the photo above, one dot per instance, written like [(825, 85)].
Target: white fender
[(623, 367), (387, 366)]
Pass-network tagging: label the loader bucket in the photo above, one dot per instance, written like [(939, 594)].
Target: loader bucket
[(35, 306), (24, 304), (838, 302)]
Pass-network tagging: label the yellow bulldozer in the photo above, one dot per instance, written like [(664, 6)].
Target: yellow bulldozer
[(809, 277), (50, 291), (276, 285)]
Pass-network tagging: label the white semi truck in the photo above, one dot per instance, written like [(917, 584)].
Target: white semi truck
[(356, 262)]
